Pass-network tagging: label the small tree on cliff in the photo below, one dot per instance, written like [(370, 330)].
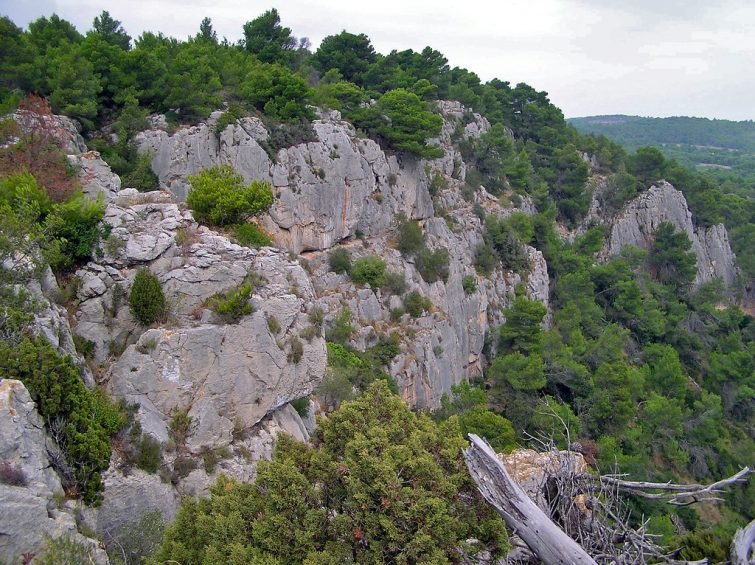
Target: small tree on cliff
[(218, 196)]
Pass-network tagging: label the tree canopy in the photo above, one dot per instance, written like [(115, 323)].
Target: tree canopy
[(379, 484)]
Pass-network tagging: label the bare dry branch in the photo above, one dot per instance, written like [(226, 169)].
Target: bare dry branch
[(674, 493), (522, 515)]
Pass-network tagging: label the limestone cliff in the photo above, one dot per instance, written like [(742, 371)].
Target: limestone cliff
[(636, 223), (331, 190)]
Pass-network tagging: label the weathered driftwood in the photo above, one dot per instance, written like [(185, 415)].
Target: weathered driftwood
[(743, 545), (520, 513)]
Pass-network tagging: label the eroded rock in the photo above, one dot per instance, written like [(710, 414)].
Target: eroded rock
[(29, 488), (637, 222)]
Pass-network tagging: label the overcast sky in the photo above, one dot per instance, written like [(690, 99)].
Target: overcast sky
[(644, 57)]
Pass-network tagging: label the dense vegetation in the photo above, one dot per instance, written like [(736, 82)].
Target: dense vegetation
[(712, 161), (717, 146), (380, 484), (646, 372)]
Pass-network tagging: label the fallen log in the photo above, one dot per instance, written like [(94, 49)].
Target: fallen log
[(521, 514)]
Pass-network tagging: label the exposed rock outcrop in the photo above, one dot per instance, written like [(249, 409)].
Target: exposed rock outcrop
[(28, 485), (340, 186), (636, 223), (326, 191), (95, 176), (61, 129), (222, 374)]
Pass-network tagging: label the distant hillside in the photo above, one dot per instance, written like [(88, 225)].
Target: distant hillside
[(719, 146), (635, 131)]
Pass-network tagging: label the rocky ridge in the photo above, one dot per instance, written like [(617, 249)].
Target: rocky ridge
[(638, 220), (329, 192)]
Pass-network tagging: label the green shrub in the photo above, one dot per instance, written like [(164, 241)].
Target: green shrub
[(369, 270), (395, 283), (135, 541), (273, 325), (64, 550), (469, 284), (410, 237), (227, 118), (335, 388), (182, 466), (301, 405), (396, 314), (147, 456), (282, 135), (310, 332), (340, 329), (232, 305), (437, 183), (180, 422), (76, 225), (218, 196), (141, 177), (250, 235), (84, 347), (340, 260), (297, 350), (501, 237), (211, 457), (80, 420), (416, 304), (316, 317), (386, 348), (432, 265), (146, 299), (375, 471), (485, 259)]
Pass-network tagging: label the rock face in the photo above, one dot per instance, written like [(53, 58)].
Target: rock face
[(340, 186), (127, 497), (28, 484), (221, 374), (95, 175), (60, 128), (325, 191), (637, 222)]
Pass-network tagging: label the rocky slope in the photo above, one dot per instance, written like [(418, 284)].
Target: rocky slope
[(33, 506), (235, 381), (636, 223), (329, 191)]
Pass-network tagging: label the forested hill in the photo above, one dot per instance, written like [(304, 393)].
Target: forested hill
[(723, 149), (636, 131)]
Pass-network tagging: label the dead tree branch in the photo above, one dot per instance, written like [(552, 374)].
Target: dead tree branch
[(590, 511), (676, 494), (522, 515)]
